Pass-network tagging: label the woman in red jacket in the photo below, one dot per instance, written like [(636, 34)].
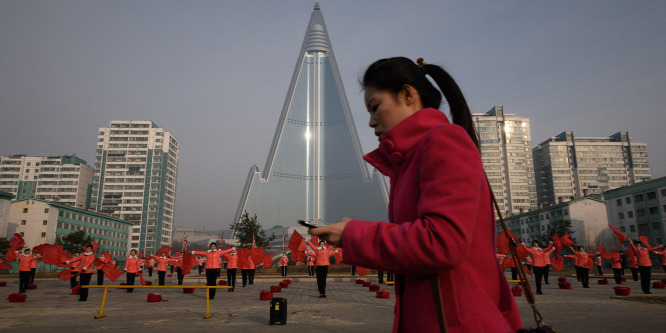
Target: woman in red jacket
[(663, 259), (633, 266), (310, 262), (616, 265), (100, 272), (132, 266), (25, 261), (442, 223), (644, 263), (322, 255), (583, 262), (212, 265), (232, 265), (74, 269), (539, 264), (284, 261), (87, 264), (33, 267), (162, 262)]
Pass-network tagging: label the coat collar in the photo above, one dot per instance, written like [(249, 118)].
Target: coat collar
[(402, 138)]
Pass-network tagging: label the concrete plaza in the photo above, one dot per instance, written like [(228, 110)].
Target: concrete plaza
[(348, 308)]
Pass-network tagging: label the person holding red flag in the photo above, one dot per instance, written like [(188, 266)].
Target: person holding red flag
[(100, 269), (151, 264), (212, 265), (310, 262), (539, 264), (644, 263), (132, 267), (162, 262), (232, 264), (583, 261), (663, 258), (33, 267), (25, 261), (87, 264), (284, 261), (322, 255), (616, 265)]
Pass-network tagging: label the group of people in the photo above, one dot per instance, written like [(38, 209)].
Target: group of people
[(538, 261)]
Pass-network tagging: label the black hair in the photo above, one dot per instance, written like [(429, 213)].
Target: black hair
[(393, 74), (211, 244)]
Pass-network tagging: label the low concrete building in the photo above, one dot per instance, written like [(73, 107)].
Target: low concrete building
[(40, 221), (5, 203), (587, 216), (639, 210)]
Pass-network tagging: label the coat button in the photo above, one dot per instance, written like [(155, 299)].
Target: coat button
[(397, 158), (387, 146)]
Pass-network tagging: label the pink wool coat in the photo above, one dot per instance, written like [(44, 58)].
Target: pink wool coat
[(442, 222)]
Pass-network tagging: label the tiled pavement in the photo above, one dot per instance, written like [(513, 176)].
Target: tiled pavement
[(348, 308)]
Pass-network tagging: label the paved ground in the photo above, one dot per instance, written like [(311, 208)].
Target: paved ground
[(349, 307)]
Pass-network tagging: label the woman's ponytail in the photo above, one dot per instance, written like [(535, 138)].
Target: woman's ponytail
[(454, 96)]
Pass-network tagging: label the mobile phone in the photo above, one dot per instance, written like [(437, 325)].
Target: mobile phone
[(307, 224)]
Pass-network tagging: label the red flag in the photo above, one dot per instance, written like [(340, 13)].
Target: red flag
[(51, 254), (141, 255), (165, 249), (110, 271), (644, 239), (630, 253), (64, 256), (590, 263), (185, 244), (601, 248), (66, 274), (143, 282), (243, 254), (620, 237), (338, 256), (3, 265), (268, 260), (558, 263), (257, 255), (17, 242), (566, 241), (187, 263), (297, 246), (557, 244), (613, 247), (314, 239), (362, 271)]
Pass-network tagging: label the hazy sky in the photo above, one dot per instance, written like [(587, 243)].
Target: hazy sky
[(216, 73)]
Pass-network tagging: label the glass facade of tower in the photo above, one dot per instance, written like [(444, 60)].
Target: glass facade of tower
[(315, 169), (135, 180)]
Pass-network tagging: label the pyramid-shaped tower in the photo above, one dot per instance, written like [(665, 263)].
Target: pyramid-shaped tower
[(314, 170)]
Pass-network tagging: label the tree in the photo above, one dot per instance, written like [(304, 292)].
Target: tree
[(247, 228), (75, 241), (4, 245), (561, 228)]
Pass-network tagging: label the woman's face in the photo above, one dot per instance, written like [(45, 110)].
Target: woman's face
[(213, 246), (388, 109), (133, 252)]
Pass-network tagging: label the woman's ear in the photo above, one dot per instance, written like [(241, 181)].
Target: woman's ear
[(411, 96)]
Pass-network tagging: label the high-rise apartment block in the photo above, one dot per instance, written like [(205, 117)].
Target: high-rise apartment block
[(135, 180), (506, 144), (569, 167), (61, 179)]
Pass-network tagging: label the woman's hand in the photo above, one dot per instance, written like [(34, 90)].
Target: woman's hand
[(331, 233)]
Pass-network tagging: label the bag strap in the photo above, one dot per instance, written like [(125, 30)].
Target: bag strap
[(439, 306), (513, 247)]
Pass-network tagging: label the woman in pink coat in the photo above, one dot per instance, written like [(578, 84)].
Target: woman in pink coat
[(87, 264), (212, 265), (644, 263), (663, 259), (232, 265), (25, 261), (322, 255), (132, 266), (584, 264), (442, 224), (162, 262), (539, 261)]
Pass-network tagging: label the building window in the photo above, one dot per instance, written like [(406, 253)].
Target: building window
[(46, 210), (639, 198), (658, 240), (22, 222), (652, 195), (632, 228), (656, 225), (25, 210), (22, 234), (45, 222), (640, 212), (619, 202), (663, 192), (627, 200), (43, 234), (654, 210), (621, 216), (664, 208), (623, 229), (643, 227), (630, 214)]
